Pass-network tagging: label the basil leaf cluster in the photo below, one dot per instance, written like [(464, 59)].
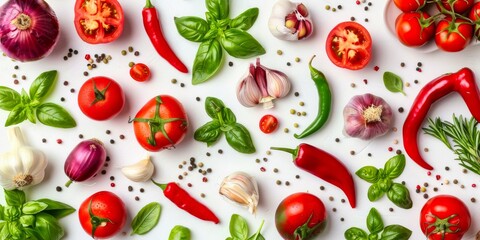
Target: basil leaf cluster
[(216, 33), (22, 219), (377, 230), (382, 182), (224, 121), (239, 229), (23, 105)]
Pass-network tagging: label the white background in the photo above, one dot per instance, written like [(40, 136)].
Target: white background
[(387, 53)]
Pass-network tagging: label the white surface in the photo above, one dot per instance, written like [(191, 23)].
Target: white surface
[(388, 53)]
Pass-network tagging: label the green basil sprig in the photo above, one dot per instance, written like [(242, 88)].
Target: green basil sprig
[(22, 219), (382, 182), (377, 230), (146, 219), (217, 32), (30, 106), (179, 233), (224, 121), (239, 229)]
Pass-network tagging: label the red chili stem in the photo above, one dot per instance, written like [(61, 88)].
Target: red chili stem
[(151, 22)]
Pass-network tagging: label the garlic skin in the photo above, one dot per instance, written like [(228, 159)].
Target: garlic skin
[(290, 21), (262, 85), (241, 188), (140, 171), (22, 166), (367, 116)]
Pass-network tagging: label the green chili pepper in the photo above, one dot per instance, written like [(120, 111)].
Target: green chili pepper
[(325, 102)]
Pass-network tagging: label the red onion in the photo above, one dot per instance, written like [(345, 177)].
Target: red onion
[(85, 160), (29, 29)]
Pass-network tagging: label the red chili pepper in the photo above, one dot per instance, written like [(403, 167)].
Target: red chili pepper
[(462, 82), (325, 166), (154, 32), (183, 200)]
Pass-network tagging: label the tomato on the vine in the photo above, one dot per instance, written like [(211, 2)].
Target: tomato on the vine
[(300, 216), (459, 6), (160, 124), (102, 215), (140, 72), (453, 36), (444, 217), (349, 45), (474, 15), (98, 21), (101, 98), (268, 123), (410, 5), (414, 29)]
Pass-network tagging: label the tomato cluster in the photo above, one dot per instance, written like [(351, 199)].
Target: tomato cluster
[(452, 27)]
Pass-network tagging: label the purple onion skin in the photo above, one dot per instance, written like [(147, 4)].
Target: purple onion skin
[(36, 41), (85, 160)]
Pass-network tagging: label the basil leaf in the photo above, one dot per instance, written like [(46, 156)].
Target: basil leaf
[(355, 233), (400, 196), (211, 20), (191, 28), (207, 61), (209, 132), (146, 219), (15, 197), (257, 237), (239, 139), (16, 229), (16, 116), (368, 173), (5, 234), (374, 192), (374, 221), (396, 232), (393, 82), (245, 20), (179, 233), (240, 44), (238, 227), (218, 8), (385, 184), (27, 220), (213, 106), (395, 166), (32, 234), (212, 33), (228, 116), (9, 98), (54, 115), (48, 227), (56, 209), (42, 85), (33, 207)]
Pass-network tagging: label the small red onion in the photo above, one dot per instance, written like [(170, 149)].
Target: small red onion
[(29, 29), (85, 160)]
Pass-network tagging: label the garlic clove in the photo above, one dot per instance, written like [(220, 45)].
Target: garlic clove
[(302, 10), (248, 93), (140, 171), (291, 22), (278, 84), (242, 189)]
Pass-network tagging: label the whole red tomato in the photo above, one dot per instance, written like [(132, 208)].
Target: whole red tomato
[(410, 5), (453, 36), (459, 6), (102, 215), (160, 124), (444, 217), (474, 15), (414, 29), (300, 216), (98, 21), (101, 98), (140, 72), (268, 123), (349, 45)]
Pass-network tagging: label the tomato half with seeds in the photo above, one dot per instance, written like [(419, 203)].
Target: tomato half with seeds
[(102, 215), (140, 72), (98, 21), (349, 45), (101, 98), (160, 124), (268, 123)]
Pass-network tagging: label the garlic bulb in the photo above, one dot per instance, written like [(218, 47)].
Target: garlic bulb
[(140, 171), (290, 21), (22, 166), (367, 116), (241, 188), (262, 85)]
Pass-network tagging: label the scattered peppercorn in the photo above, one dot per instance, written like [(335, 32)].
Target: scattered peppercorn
[(279, 52), (58, 188), (322, 188), (137, 198), (278, 182), (44, 140), (230, 63), (400, 109), (473, 200), (289, 64), (296, 94), (198, 99), (130, 188)]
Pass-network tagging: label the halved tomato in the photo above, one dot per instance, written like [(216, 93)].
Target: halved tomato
[(349, 45), (98, 21)]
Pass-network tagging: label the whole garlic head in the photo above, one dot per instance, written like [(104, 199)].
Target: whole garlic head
[(242, 189), (290, 21)]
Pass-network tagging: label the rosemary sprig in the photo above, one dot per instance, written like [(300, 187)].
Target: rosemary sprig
[(465, 137)]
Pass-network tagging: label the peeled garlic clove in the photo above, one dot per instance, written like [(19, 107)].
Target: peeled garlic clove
[(242, 189), (140, 171)]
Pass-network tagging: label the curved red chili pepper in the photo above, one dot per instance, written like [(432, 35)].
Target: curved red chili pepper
[(462, 82), (154, 32), (325, 166)]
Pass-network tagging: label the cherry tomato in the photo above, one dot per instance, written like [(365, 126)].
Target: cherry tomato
[(453, 36), (409, 5), (444, 217), (268, 123), (140, 72), (102, 215), (101, 98), (160, 124), (300, 216), (474, 15), (98, 21), (459, 6), (349, 45), (414, 29)]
